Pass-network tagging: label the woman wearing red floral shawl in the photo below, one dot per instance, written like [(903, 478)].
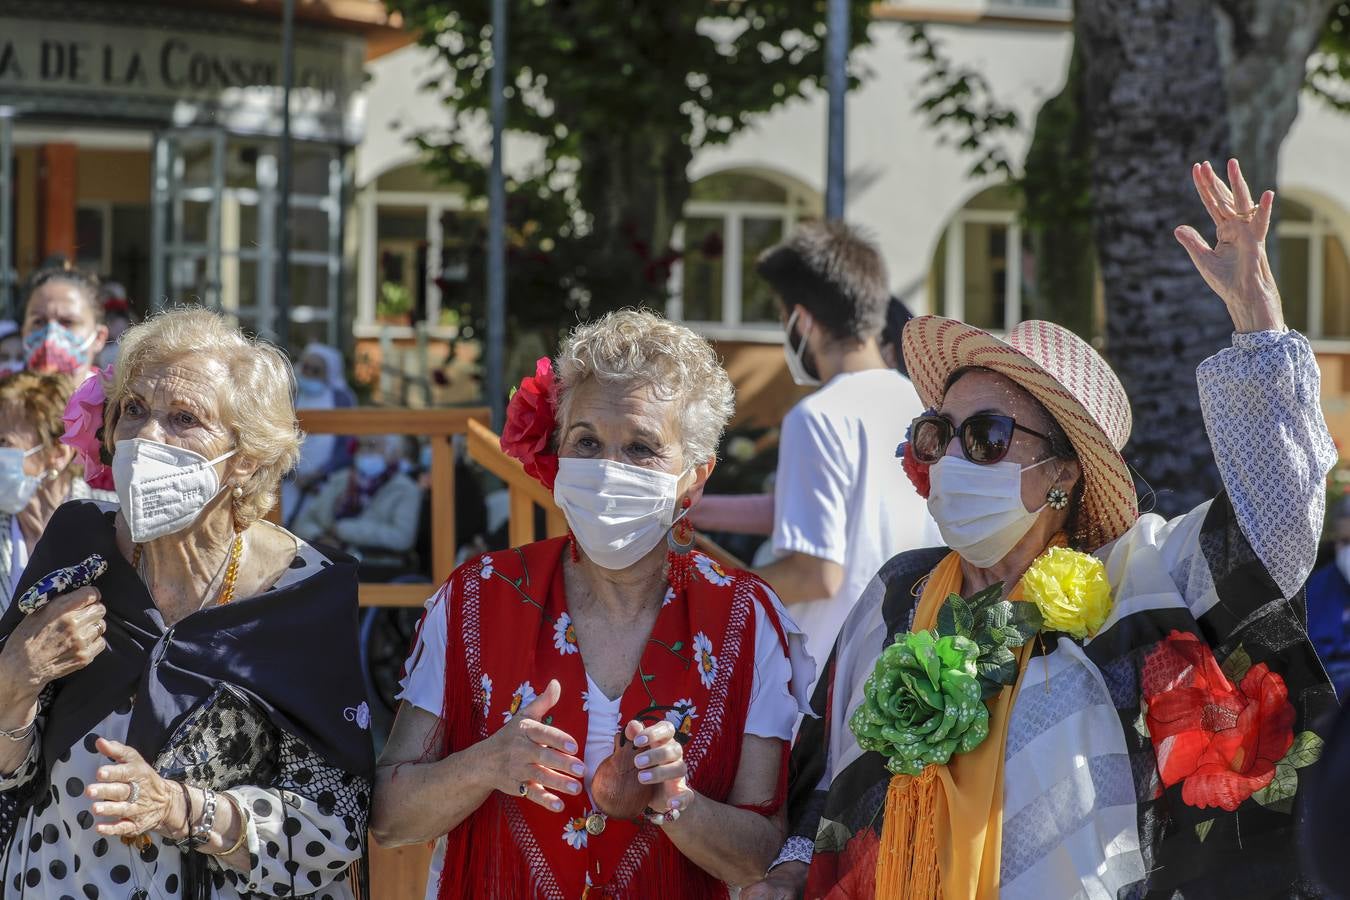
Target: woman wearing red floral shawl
[(605, 714)]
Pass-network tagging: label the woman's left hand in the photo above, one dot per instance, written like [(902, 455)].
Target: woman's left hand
[(1236, 268), (660, 761), (157, 802)]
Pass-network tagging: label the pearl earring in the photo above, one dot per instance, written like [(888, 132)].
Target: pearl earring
[(237, 492)]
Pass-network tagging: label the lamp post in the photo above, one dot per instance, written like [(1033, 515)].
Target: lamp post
[(836, 77), (496, 251)]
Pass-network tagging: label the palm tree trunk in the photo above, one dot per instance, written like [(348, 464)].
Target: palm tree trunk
[(1168, 83)]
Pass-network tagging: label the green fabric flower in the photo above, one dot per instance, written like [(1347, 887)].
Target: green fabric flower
[(923, 702)]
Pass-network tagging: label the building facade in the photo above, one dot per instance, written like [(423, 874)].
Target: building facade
[(141, 140)]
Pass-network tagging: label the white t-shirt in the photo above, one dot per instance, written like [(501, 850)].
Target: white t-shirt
[(841, 493), (773, 711)]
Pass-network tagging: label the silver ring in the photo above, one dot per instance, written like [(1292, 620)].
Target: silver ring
[(135, 791), (523, 789)]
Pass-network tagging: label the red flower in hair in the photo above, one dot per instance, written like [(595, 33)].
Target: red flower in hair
[(1219, 741), (530, 421), (83, 419), (917, 471)]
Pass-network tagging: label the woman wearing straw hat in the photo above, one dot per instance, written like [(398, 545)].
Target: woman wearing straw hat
[(1140, 725)]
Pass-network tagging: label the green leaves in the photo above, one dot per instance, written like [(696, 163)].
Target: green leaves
[(1279, 794), (997, 626), (1306, 750), (1236, 665)]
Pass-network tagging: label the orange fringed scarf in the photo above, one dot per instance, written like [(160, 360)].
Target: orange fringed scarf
[(943, 831)]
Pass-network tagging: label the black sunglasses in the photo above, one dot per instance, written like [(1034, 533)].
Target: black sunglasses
[(985, 437)]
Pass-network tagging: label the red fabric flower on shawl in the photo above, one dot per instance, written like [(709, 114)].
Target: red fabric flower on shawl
[(530, 421), (1219, 741), (83, 419)]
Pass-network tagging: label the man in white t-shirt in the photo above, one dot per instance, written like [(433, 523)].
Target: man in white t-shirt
[(842, 505)]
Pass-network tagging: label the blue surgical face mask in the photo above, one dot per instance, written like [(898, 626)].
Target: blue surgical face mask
[(311, 386), (370, 465)]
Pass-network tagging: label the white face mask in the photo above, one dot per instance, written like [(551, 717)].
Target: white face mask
[(16, 486), (978, 508), (162, 488), (796, 358), (618, 513)]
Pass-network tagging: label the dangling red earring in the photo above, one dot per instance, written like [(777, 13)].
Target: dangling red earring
[(680, 540), (576, 557)]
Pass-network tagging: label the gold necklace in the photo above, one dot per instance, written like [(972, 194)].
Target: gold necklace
[(231, 570)]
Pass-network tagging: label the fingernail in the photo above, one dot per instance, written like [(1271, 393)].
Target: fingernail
[(641, 761), (574, 789), (571, 747), (641, 740), (645, 776), (556, 806), (675, 804), (578, 769)]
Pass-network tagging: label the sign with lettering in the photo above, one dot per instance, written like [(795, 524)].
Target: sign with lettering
[(55, 65)]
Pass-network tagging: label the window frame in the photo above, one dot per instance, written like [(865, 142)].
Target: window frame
[(953, 300), (800, 202), (436, 204)]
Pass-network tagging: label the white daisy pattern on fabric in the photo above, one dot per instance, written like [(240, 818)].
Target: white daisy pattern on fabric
[(585, 701), (565, 636), (683, 716), (523, 696), (669, 598), (574, 832), (707, 662), (487, 568), (485, 693), (711, 571)]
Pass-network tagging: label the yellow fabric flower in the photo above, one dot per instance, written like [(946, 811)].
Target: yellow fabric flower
[(1071, 591)]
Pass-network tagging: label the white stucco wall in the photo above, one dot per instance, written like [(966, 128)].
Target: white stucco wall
[(904, 183)]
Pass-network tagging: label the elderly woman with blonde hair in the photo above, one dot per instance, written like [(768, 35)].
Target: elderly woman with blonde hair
[(181, 709), (605, 713)]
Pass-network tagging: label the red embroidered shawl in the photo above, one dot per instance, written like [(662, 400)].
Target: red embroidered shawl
[(509, 634)]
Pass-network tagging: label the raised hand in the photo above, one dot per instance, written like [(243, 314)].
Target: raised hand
[(1236, 268), (533, 759)]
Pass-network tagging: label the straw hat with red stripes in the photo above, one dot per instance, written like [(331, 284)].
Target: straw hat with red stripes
[(1068, 377)]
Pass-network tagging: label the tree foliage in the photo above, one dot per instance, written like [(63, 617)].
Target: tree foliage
[(608, 100)]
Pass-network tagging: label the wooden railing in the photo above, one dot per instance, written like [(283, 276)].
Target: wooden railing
[(438, 425)]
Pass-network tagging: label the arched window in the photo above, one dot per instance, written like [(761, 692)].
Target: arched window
[(1314, 270), (731, 218), (984, 270)]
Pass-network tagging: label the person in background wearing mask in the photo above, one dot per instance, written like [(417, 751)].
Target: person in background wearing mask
[(1329, 604), (63, 329), (1147, 730), (841, 505), (544, 675), (36, 470), (11, 348), (229, 772), (369, 509), (321, 383), (118, 316)]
